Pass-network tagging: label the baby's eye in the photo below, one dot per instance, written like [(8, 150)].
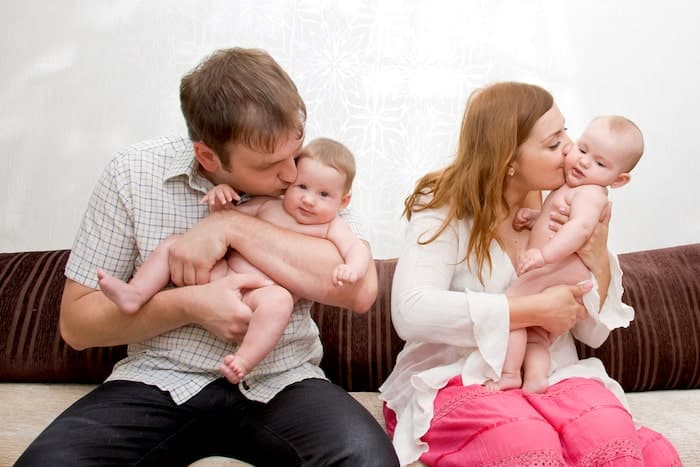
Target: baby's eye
[(324, 194), (600, 164), (302, 186), (581, 150)]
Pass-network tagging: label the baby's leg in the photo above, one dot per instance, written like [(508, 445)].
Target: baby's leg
[(152, 276), (272, 306), (537, 362), (510, 376)]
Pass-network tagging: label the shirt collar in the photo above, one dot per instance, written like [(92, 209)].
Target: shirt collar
[(185, 164)]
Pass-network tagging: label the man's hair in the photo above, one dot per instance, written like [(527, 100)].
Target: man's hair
[(240, 96), (626, 132), (333, 154)]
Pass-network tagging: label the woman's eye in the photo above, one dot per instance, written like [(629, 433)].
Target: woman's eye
[(555, 145)]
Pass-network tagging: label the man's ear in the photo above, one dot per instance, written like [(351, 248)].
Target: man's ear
[(345, 200), (206, 157), (621, 180)]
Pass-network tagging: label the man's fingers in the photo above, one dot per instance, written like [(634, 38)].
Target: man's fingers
[(189, 276), (176, 273)]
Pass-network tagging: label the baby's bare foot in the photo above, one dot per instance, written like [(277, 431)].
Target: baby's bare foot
[(122, 294), (234, 368), (507, 381)]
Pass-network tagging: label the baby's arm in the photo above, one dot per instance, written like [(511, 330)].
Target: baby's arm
[(525, 218), (587, 202), (221, 197), (354, 251)]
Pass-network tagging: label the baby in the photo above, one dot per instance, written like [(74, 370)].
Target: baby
[(607, 151), (325, 172)]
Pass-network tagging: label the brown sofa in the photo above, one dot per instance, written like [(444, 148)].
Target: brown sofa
[(656, 359)]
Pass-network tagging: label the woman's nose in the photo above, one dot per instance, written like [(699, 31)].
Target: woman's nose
[(566, 148)]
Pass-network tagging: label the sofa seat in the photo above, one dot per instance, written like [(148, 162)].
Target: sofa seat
[(674, 413)]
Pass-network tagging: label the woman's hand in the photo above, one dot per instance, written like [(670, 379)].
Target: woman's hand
[(561, 306)]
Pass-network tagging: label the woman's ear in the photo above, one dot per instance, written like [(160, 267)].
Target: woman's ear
[(621, 180), (206, 157)]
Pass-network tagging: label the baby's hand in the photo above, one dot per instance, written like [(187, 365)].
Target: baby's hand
[(529, 260), (220, 197), (344, 274), (525, 218)]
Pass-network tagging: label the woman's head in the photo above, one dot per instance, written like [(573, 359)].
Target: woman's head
[(496, 124)]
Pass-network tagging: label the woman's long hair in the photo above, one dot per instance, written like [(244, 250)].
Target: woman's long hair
[(497, 120)]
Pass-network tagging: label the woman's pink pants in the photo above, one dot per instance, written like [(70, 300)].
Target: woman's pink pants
[(576, 422)]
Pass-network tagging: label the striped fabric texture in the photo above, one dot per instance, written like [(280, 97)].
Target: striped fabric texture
[(660, 349)]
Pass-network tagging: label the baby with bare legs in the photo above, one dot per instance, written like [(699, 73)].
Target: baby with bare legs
[(607, 151), (325, 172)]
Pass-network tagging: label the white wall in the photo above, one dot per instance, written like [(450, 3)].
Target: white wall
[(80, 79)]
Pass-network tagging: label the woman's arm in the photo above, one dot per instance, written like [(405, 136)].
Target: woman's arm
[(426, 307)]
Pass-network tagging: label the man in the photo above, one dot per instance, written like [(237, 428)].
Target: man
[(166, 403)]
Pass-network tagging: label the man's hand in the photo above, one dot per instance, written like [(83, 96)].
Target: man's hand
[(218, 306), (195, 252)]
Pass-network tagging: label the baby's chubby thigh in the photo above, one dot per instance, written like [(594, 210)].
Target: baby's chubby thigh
[(570, 271), (235, 263)]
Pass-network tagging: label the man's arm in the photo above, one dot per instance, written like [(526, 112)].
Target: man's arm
[(89, 319), (300, 263)]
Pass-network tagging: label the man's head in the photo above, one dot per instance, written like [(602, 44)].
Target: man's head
[(325, 172), (245, 118), (606, 153)]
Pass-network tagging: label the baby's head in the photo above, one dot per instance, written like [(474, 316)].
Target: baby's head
[(325, 172), (605, 154)]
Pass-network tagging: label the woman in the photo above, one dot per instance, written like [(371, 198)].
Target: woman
[(450, 307)]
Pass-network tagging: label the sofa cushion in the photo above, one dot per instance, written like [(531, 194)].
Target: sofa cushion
[(661, 347), (31, 348)]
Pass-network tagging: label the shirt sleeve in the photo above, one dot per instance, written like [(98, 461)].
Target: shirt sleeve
[(426, 307), (595, 329), (106, 237)]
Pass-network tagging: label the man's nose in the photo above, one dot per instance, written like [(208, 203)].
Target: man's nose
[(288, 172)]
